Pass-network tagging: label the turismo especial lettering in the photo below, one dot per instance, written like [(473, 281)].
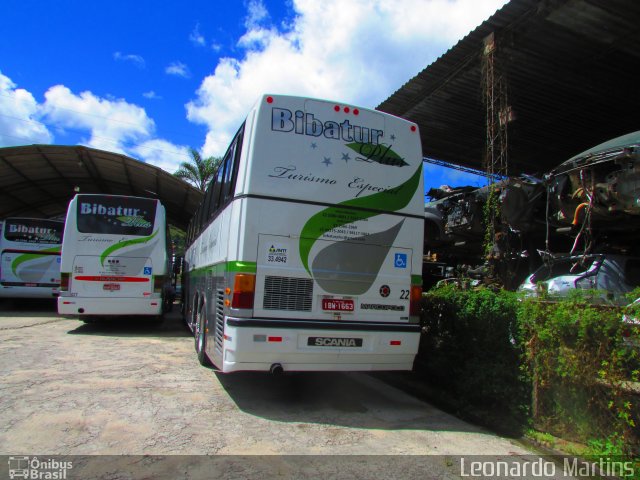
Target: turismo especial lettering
[(359, 184), (288, 173), (334, 342), (301, 123), (98, 209)]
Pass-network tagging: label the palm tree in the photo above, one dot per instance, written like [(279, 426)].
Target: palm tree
[(198, 171)]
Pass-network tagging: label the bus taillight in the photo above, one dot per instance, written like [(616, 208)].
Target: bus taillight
[(244, 287), (158, 283), (64, 282), (416, 300)]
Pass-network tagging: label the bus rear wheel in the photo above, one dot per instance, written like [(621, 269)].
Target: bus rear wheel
[(201, 336)]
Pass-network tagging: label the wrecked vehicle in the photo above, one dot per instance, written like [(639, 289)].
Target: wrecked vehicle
[(457, 214), (589, 203), (609, 277), (450, 218), (598, 190)]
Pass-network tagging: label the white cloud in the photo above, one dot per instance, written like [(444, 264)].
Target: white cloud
[(112, 124), (20, 116), (136, 60), (151, 95), (256, 14), (178, 69), (356, 51), (162, 153), (196, 37)]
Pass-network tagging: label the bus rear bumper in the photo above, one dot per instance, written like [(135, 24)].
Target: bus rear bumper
[(109, 306), (28, 292), (258, 349)]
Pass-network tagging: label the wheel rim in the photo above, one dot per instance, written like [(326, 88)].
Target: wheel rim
[(200, 331)]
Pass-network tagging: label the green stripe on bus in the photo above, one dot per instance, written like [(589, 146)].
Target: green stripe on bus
[(221, 268), (124, 244), (25, 257), (391, 200), (242, 267)]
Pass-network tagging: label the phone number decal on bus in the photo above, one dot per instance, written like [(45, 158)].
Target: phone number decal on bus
[(277, 254)]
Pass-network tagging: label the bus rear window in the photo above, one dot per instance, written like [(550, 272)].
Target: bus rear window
[(116, 215), (31, 230)]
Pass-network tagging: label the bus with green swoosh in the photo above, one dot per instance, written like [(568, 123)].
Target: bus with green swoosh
[(30, 257), (306, 252), (116, 258)]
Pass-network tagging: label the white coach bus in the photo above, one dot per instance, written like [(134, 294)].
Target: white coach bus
[(306, 252), (30, 257), (115, 257)]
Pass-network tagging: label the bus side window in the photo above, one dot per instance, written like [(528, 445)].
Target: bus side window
[(210, 200), (206, 210), (230, 171), (196, 219), (215, 199)]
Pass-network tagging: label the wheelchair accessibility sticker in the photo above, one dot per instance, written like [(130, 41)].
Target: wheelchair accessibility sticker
[(400, 260), (148, 270)]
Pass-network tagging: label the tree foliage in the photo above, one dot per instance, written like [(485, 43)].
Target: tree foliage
[(198, 171)]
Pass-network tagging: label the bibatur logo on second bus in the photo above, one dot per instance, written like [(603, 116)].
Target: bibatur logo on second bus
[(98, 209)]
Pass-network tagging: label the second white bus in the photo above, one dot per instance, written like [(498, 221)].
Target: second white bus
[(306, 252), (30, 257), (115, 257)]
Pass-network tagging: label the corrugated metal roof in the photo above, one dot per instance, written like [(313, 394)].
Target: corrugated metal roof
[(570, 72), (39, 180)]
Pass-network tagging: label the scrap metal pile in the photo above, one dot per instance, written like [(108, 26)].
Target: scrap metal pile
[(588, 204)]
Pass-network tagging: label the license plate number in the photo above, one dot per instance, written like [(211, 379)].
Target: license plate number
[(337, 305), (111, 286), (334, 342)]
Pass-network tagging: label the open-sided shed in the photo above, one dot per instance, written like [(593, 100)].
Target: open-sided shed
[(39, 180), (569, 69)]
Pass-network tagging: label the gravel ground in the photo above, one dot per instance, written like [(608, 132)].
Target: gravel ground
[(133, 388)]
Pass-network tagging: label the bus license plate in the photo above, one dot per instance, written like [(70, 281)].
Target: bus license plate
[(334, 342), (111, 286), (337, 305)]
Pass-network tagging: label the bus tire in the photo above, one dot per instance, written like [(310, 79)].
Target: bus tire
[(201, 336)]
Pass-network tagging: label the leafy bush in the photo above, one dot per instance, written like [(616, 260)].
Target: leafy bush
[(584, 374), (562, 365), (469, 351)]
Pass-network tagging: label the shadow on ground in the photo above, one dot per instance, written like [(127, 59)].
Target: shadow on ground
[(134, 326), (325, 398), (28, 307)]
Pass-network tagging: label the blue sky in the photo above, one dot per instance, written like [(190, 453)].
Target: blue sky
[(150, 79)]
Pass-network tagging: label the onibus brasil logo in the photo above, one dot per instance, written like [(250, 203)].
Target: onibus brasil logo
[(35, 468)]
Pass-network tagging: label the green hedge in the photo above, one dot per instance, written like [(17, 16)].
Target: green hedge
[(469, 353), (561, 366)]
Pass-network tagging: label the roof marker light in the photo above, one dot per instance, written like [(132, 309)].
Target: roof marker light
[(269, 99), (336, 108), (346, 109), (356, 111), (413, 128)]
